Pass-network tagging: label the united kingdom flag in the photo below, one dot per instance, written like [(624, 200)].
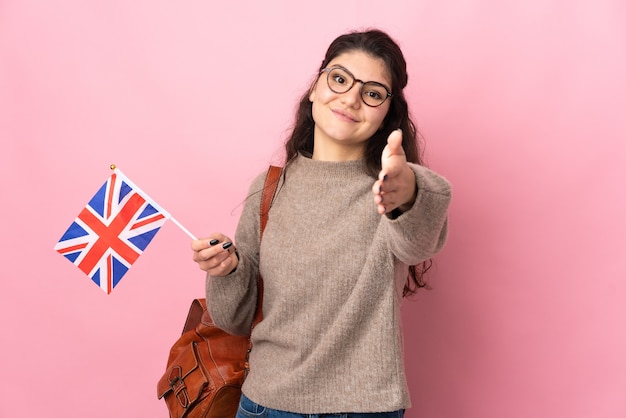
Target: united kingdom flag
[(112, 231)]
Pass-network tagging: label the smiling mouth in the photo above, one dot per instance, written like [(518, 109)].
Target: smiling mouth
[(344, 115)]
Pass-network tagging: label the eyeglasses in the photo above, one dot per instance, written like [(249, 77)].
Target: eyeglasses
[(340, 81)]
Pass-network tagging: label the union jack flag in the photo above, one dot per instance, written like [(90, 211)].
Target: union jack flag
[(112, 231)]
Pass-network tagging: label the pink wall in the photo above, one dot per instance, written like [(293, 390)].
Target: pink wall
[(523, 108)]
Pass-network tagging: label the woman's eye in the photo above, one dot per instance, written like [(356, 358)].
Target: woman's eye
[(374, 94), (340, 80)]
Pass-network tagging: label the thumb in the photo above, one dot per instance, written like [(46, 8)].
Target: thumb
[(394, 143), (393, 153)]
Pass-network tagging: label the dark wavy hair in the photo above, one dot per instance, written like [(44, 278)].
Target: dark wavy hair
[(377, 44)]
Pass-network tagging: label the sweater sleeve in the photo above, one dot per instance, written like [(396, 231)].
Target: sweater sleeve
[(419, 233), (231, 299)]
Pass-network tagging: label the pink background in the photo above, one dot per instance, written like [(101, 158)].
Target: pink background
[(523, 108)]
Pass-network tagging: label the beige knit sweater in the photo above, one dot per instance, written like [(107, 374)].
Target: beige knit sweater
[(333, 269)]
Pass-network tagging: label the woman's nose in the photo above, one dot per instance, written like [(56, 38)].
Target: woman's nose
[(353, 96)]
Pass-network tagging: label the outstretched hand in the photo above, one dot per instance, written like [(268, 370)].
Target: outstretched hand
[(395, 187)]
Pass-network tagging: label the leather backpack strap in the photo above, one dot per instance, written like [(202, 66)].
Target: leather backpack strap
[(269, 191), (197, 308)]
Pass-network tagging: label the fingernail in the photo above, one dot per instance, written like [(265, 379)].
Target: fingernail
[(213, 242), (380, 189), (385, 177), (227, 245)]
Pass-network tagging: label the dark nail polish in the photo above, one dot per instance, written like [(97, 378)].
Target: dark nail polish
[(385, 177), (213, 242), (380, 189), (227, 245)]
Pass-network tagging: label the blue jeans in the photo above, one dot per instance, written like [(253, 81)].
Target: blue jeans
[(250, 409)]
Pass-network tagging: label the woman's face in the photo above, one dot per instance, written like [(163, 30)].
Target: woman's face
[(343, 122)]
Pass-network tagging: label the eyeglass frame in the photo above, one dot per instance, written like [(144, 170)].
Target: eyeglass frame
[(327, 70)]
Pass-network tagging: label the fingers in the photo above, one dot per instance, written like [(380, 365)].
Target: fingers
[(379, 197), (385, 195), (215, 254)]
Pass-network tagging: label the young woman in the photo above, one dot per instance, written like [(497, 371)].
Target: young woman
[(354, 222)]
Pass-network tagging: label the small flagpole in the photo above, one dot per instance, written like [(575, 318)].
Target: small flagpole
[(169, 216), (185, 230)]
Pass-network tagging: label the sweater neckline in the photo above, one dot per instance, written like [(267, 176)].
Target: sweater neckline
[(346, 169)]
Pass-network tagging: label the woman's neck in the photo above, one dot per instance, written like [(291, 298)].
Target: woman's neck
[(333, 151)]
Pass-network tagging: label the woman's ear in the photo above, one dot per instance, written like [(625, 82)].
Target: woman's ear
[(312, 91)]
